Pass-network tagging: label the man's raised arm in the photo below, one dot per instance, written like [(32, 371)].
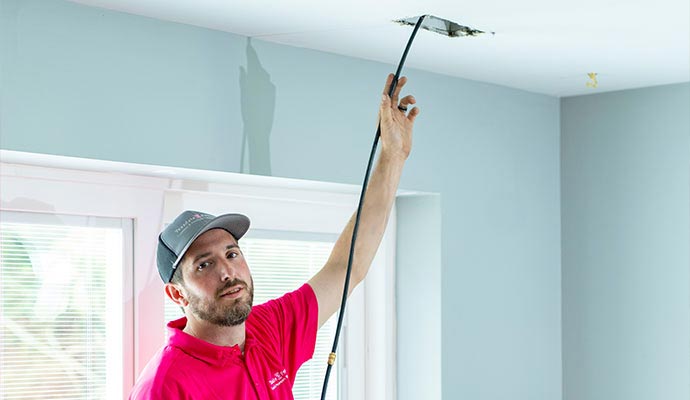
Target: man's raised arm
[(396, 142)]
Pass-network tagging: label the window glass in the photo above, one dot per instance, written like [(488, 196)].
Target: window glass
[(60, 307)]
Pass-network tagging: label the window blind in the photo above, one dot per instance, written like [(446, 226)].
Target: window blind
[(279, 266), (56, 338)]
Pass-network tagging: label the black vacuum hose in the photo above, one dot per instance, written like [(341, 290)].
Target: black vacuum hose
[(394, 84)]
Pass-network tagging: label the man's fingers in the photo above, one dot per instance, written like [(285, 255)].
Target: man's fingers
[(413, 114), (394, 102), (406, 101), (401, 82), (389, 82), (387, 86)]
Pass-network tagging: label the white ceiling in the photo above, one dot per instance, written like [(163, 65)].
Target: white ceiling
[(544, 46)]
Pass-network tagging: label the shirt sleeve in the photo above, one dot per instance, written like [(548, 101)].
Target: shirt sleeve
[(159, 382), (166, 391), (293, 323)]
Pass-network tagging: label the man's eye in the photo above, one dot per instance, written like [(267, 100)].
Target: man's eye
[(202, 265), (232, 254)]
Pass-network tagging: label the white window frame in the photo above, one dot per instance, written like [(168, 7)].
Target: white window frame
[(152, 196)]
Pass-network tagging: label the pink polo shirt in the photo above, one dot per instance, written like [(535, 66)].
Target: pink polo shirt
[(280, 337)]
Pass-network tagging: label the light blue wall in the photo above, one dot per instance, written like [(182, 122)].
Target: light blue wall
[(87, 82), (626, 271)]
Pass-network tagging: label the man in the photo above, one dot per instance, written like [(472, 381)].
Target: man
[(225, 349)]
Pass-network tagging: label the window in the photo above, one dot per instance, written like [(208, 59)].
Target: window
[(60, 286)]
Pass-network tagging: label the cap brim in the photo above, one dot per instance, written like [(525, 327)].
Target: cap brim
[(236, 224)]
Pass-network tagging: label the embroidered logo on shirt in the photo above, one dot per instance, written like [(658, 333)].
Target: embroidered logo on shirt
[(278, 378)]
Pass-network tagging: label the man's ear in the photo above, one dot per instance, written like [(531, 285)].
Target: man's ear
[(176, 293)]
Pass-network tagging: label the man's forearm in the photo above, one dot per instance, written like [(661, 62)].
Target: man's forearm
[(378, 202)]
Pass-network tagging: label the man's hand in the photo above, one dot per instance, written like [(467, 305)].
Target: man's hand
[(396, 123)]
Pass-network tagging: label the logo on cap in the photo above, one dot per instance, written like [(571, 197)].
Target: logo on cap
[(189, 221)]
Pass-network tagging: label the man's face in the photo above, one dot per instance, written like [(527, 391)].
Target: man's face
[(217, 281)]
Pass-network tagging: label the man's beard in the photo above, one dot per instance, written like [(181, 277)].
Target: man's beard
[(222, 314)]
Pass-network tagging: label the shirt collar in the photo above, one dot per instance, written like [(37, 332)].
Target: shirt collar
[(201, 349)]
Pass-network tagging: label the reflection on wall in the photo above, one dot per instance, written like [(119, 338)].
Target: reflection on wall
[(258, 102)]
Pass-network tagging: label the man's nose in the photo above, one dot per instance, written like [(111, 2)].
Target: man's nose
[(228, 270)]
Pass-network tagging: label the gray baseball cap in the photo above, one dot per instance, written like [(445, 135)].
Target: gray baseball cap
[(176, 238)]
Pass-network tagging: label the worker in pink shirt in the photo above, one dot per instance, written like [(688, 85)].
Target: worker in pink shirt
[(226, 348)]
